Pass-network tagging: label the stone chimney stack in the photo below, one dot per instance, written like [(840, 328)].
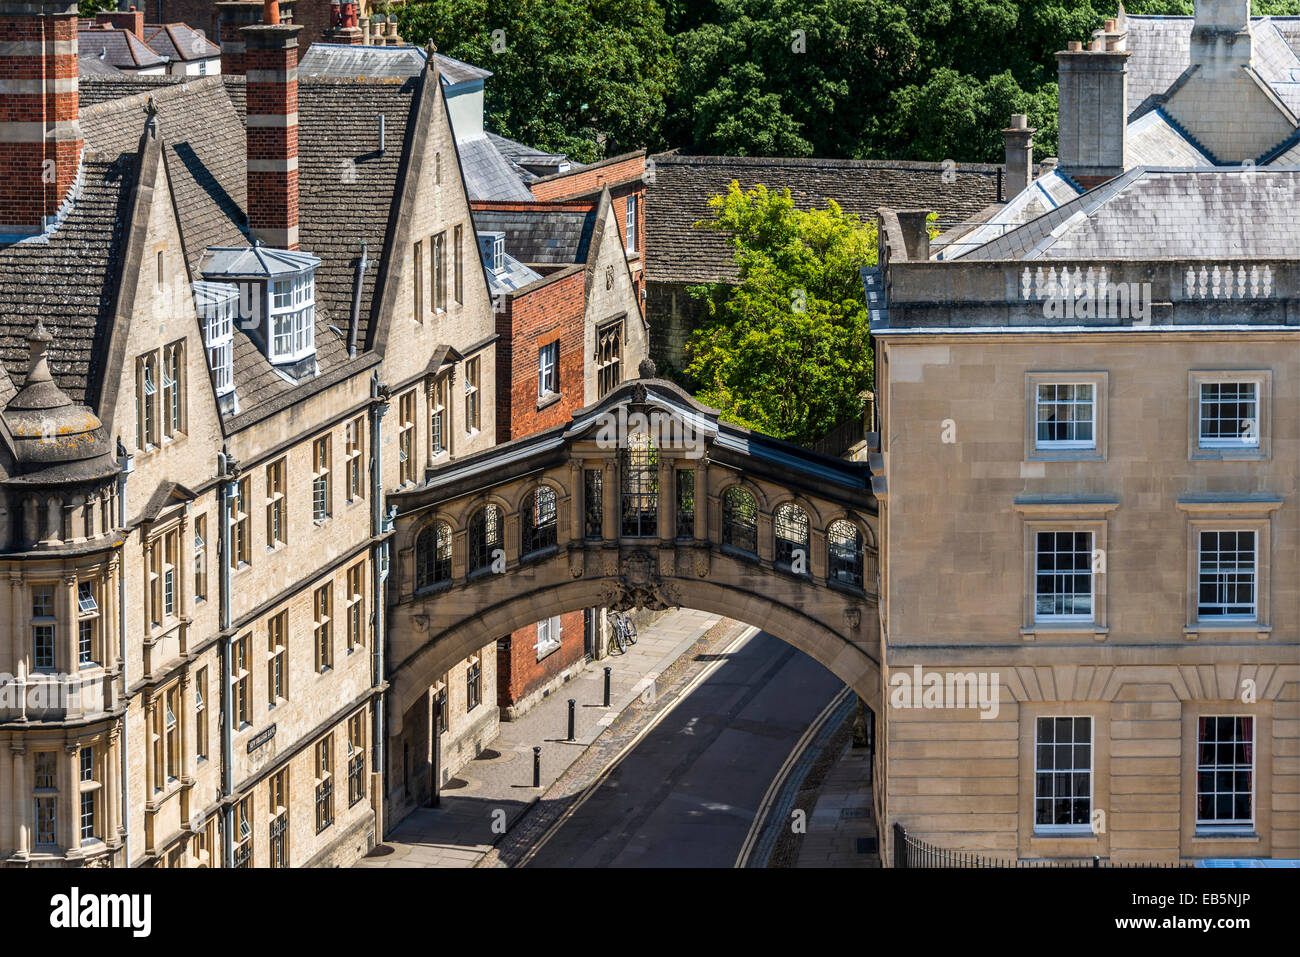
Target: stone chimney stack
[(1221, 37), (40, 133), (234, 16), (1093, 109), (1019, 138), (271, 68), (914, 224)]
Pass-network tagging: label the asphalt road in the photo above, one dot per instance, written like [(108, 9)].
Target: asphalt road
[(687, 794)]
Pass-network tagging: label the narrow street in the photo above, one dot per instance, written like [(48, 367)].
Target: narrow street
[(687, 794)]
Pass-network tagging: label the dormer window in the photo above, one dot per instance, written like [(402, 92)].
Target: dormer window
[(216, 304), (277, 301), (492, 247), (293, 318)]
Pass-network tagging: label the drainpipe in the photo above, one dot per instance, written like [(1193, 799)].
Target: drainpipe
[(125, 468), (379, 558), (227, 474), (355, 319)]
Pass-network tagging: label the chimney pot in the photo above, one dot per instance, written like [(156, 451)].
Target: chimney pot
[(1019, 154), (914, 224), (1076, 46), (1110, 25)]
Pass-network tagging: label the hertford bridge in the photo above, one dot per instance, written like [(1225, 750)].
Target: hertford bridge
[(648, 500)]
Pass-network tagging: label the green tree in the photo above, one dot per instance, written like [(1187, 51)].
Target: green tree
[(588, 78), (786, 350), (86, 9)]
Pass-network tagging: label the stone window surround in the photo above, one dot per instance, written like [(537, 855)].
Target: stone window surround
[(1099, 380), (1076, 515), (1264, 450), (1085, 843), (1230, 514), (1214, 841)]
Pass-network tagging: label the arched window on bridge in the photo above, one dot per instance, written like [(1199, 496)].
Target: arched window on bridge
[(538, 525), (791, 525), (740, 519), (640, 499), (433, 556), (844, 554), (484, 537)]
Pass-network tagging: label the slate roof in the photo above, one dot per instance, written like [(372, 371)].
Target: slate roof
[(679, 194), (520, 155), (1157, 213), (1151, 140), (1160, 50), (179, 41), (514, 275), (1044, 194), (342, 60), (123, 48), (346, 196), (488, 174), (542, 236), (100, 89), (68, 282), (94, 66)]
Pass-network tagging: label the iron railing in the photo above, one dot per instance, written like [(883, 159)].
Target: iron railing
[(913, 853)]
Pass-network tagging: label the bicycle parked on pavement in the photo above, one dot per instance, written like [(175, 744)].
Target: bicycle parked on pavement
[(622, 635)]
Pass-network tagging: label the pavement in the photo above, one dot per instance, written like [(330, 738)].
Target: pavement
[(497, 786), (843, 817)]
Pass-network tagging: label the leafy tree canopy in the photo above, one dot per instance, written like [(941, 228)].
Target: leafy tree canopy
[(87, 9), (786, 350), (589, 78)]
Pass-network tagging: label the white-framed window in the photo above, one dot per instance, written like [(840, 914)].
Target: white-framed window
[(146, 402), (1225, 770), (323, 610), (406, 437), (293, 318), (548, 636), (1063, 576), (548, 369), (219, 339), (1228, 414), (631, 222), (1066, 415), (90, 788), (439, 267), (1063, 774), (43, 625), (320, 479), (1227, 574), (173, 379), (200, 558), (87, 625)]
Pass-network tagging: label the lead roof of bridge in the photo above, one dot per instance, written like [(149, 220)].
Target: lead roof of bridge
[(756, 454)]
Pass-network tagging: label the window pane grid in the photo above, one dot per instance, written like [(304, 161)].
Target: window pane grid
[(1063, 772), (1066, 413), (1063, 575), (1229, 414), (1226, 575), (1225, 770)]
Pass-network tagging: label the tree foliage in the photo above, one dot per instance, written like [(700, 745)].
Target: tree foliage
[(589, 78), (786, 350)]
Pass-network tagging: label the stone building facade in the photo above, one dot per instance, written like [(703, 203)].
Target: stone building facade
[(1089, 456), (196, 458)]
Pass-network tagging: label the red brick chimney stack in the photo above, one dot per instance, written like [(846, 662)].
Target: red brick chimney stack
[(40, 136), (125, 20), (271, 69), (234, 16)]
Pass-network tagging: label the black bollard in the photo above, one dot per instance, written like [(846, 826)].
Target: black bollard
[(607, 671), (537, 767), (572, 704)]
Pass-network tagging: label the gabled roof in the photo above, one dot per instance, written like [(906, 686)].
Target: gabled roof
[(254, 262), (1160, 213), (514, 275), (179, 41), (122, 48), (68, 281), (1160, 50), (678, 195), (1154, 140)]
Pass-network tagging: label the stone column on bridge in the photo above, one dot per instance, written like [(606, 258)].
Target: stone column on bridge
[(766, 534), (611, 495), (702, 499), (576, 505)]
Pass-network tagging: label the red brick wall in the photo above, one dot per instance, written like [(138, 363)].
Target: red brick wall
[(272, 194), (26, 193), (519, 673), (591, 178)]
